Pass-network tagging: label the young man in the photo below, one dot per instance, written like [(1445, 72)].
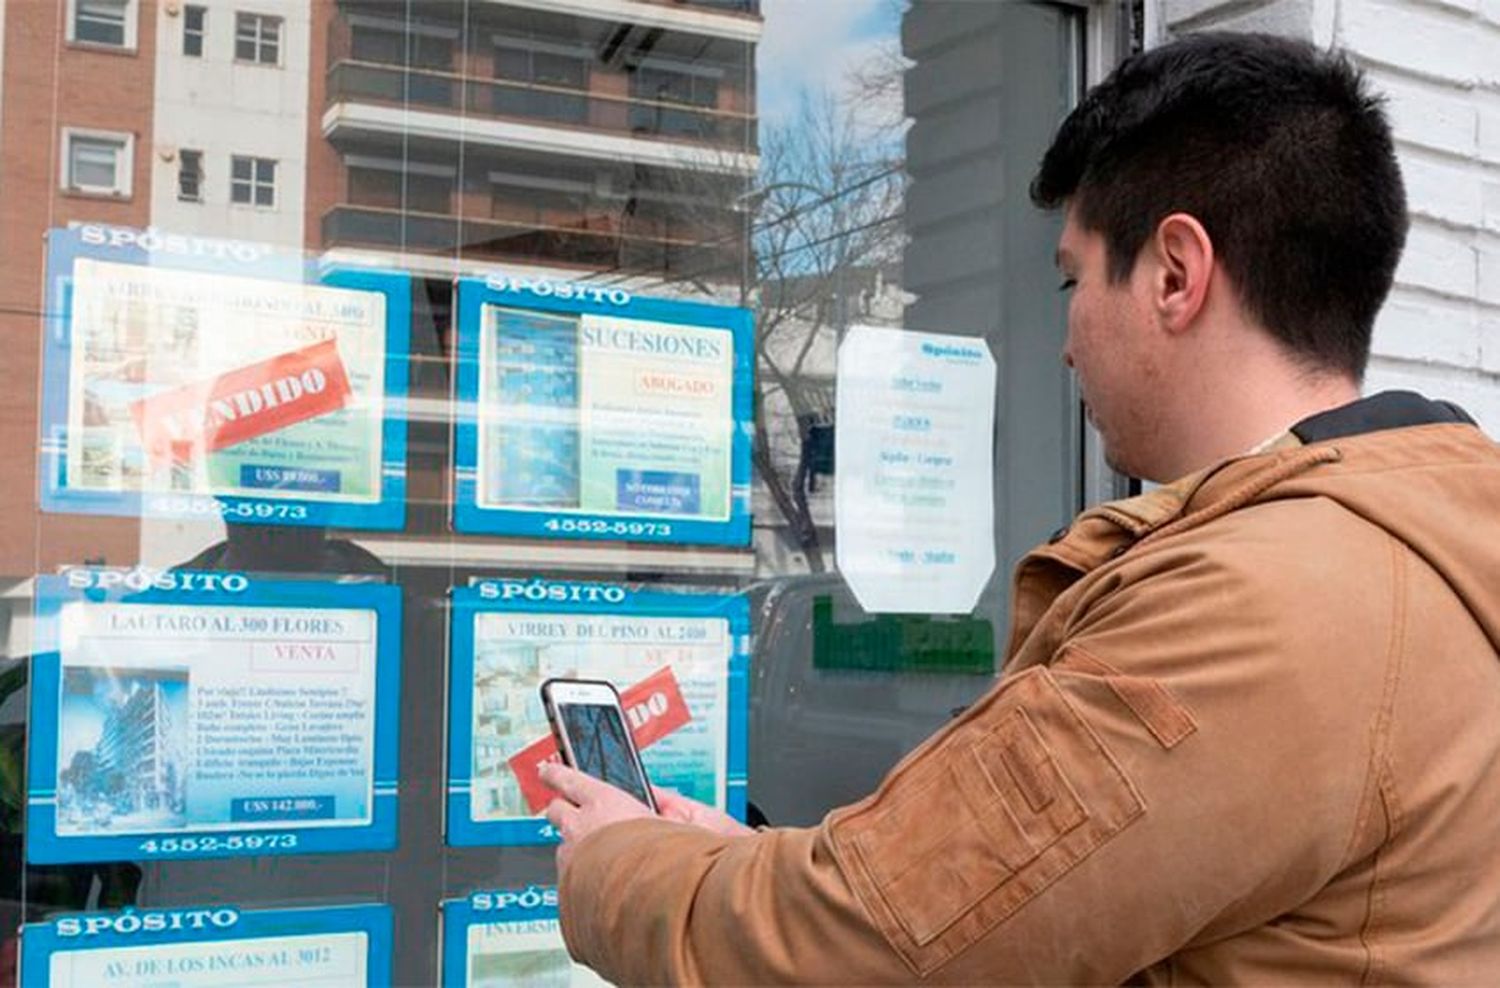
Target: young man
[(1249, 725)]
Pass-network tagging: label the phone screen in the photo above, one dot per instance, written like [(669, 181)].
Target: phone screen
[(602, 746)]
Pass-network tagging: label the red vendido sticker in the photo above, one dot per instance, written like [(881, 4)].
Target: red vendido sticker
[(244, 403), (654, 708)]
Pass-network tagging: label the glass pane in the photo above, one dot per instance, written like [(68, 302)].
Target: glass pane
[(564, 315), (560, 70), (378, 45), (94, 164), (100, 21), (513, 63), (190, 175)]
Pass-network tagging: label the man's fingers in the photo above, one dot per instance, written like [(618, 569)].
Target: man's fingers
[(561, 814), (569, 783)]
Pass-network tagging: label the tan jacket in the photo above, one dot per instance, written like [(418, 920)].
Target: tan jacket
[(1248, 732)]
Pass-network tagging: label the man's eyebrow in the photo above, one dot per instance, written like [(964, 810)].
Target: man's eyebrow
[(1061, 257)]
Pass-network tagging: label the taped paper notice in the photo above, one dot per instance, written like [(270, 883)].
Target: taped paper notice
[(914, 492)]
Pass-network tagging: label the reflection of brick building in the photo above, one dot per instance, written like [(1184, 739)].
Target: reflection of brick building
[(571, 136), (581, 135), (139, 746)]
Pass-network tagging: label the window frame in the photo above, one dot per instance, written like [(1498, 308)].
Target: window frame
[(200, 34), (254, 182), (182, 159), (123, 187), (128, 42), (259, 20)]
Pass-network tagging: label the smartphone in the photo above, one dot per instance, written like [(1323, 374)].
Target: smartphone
[(592, 735)]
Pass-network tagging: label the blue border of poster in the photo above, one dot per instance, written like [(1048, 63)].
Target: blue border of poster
[(490, 906), (577, 598), (88, 931), (570, 298), (44, 846), (125, 245)]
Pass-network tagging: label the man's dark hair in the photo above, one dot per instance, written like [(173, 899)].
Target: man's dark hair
[(1277, 148)]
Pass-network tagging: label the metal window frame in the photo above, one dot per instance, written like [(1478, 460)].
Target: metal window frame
[(199, 33), (260, 37), (124, 160), (182, 160), (253, 183), (1107, 41), (131, 23)]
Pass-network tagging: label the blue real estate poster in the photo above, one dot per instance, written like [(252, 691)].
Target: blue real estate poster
[(211, 946), (177, 714), (186, 377), (592, 413), (499, 938), (679, 660)]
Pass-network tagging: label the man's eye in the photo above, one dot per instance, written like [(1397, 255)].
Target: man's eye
[(1068, 284)]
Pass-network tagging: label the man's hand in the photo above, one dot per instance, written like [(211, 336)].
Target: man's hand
[(677, 807), (586, 805)]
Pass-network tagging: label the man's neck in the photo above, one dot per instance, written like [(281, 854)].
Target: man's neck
[(1247, 415)]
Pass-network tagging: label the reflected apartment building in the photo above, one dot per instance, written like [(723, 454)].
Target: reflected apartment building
[(608, 140)]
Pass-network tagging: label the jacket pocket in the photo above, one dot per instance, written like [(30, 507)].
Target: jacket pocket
[(977, 826)]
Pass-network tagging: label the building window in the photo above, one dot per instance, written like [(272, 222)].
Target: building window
[(666, 86), (103, 22), (694, 91), (252, 181), (97, 162), (385, 187), (416, 45), (194, 20), (257, 38), (190, 176), (536, 67), (547, 68)]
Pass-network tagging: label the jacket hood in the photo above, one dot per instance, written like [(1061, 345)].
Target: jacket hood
[(1419, 470)]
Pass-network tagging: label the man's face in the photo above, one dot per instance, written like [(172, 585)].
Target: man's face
[(1110, 348)]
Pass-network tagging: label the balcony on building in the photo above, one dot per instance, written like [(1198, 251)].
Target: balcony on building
[(526, 134), (525, 207)]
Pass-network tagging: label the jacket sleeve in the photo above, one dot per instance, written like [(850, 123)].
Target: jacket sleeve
[(1081, 822)]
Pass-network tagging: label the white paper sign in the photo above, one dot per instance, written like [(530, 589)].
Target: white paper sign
[(915, 469)]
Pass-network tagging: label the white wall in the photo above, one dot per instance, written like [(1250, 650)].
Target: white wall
[(1438, 62), (222, 108)]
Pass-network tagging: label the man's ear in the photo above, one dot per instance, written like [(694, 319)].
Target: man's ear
[(1185, 264)]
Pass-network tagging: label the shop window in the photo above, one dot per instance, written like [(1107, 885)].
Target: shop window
[(103, 22), (97, 162), (257, 38), (252, 181), (189, 176), (194, 26)]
